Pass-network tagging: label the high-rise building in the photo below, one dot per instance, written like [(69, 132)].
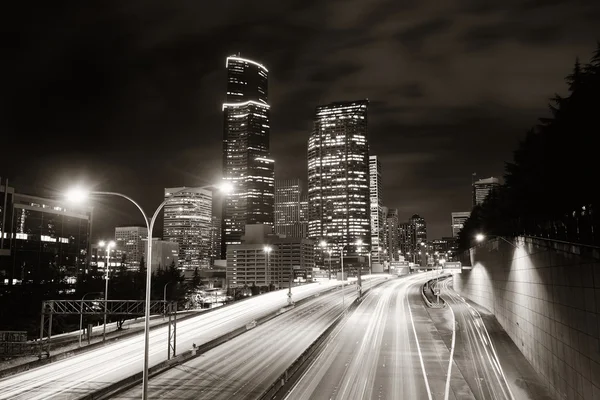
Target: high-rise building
[(247, 164), (215, 238), (43, 240), (131, 240), (188, 222), (407, 238), (392, 234), (376, 207), (289, 219), (482, 188), (338, 176), (458, 221), (420, 228)]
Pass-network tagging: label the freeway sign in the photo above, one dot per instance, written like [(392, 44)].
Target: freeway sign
[(452, 266)]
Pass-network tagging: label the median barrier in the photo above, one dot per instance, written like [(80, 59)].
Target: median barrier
[(301, 363)]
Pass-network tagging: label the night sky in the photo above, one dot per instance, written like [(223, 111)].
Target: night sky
[(126, 95)]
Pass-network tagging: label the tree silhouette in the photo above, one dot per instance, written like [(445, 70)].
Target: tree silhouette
[(549, 185)]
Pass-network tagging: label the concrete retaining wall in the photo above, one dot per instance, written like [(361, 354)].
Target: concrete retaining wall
[(546, 295)]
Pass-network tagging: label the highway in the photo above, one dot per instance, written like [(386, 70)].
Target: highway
[(374, 354), (246, 366), (85, 373), (474, 352)]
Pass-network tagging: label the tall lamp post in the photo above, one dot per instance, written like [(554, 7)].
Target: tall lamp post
[(360, 243), (267, 250), (342, 264), (323, 245), (108, 246), (80, 195)]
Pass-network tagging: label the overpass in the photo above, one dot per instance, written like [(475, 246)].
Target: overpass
[(546, 295)]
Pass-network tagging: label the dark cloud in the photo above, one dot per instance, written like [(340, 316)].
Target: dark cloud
[(127, 95), (414, 37)]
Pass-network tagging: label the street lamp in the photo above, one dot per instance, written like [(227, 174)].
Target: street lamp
[(108, 246), (79, 195), (358, 242), (480, 237), (323, 245), (267, 250)]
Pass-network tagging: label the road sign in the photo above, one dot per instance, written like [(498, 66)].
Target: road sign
[(452, 266)]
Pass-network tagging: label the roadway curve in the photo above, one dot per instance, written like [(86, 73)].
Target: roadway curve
[(88, 372), (374, 354), (474, 352), (246, 366)]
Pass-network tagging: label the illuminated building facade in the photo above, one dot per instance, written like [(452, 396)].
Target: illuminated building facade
[(43, 240), (188, 221), (290, 220), (131, 240), (458, 221), (407, 237), (420, 227), (482, 188), (376, 209), (246, 159), (392, 234), (338, 176)]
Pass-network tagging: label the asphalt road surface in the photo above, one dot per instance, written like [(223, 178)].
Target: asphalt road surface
[(85, 373), (474, 350), (246, 366), (375, 354)]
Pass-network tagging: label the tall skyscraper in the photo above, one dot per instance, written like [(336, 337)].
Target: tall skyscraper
[(246, 159), (215, 237), (376, 205), (420, 228), (288, 208), (131, 240), (188, 216), (482, 188), (407, 238), (338, 175), (392, 234), (458, 221)]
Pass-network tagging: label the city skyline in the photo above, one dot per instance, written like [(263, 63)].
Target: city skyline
[(168, 109)]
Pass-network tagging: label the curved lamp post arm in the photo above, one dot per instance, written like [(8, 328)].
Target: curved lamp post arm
[(127, 198)]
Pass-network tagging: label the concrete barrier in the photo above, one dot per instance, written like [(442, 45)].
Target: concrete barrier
[(546, 295)]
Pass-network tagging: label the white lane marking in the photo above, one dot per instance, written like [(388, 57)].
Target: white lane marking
[(418, 347), (451, 360)]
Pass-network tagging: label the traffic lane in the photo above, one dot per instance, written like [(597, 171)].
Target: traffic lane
[(246, 366), (345, 369), (85, 373), (524, 382), (474, 351), (399, 372)]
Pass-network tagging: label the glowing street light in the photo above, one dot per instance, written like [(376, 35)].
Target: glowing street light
[(108, 246), (480, 237), (267, 250), (323, 245), (80, 195)]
